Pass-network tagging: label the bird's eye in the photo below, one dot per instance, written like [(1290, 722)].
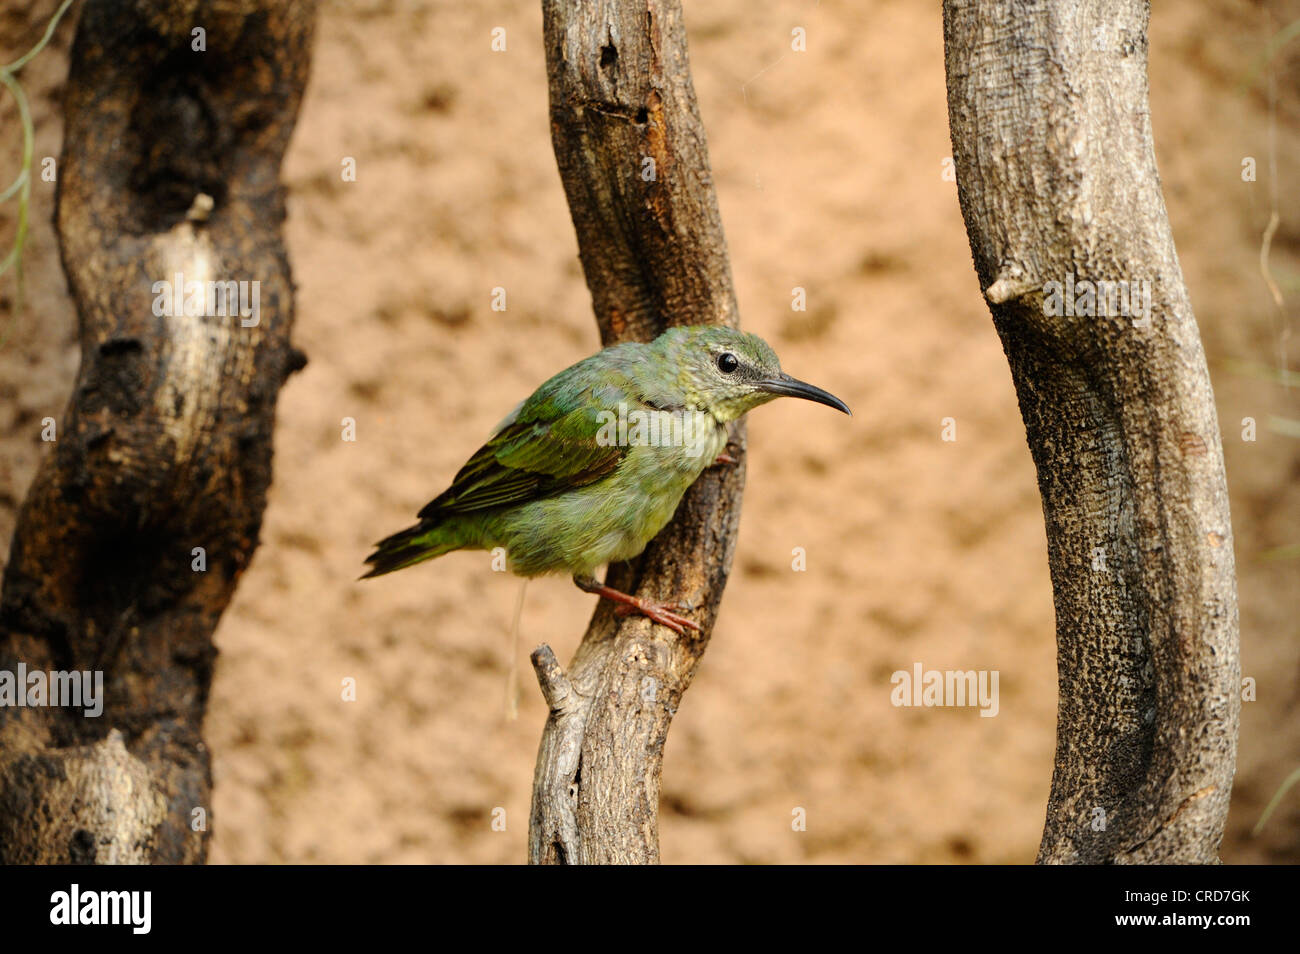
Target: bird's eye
[(728, 362)]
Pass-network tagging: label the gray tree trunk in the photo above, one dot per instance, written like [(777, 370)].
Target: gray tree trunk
[(1056, 173)]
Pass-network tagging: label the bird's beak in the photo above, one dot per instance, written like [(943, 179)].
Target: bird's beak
[(792, 387)]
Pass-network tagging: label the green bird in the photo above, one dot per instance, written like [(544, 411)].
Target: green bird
[(591, 467)]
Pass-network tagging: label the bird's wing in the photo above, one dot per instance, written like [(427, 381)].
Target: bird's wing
[(551, 446)]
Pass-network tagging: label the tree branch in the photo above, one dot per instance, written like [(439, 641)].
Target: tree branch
[(1056, 171), (631, 151)]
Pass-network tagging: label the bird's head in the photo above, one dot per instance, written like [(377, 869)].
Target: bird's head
[(729, 372)]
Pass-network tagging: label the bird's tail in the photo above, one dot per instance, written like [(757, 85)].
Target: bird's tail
[(424, 541)]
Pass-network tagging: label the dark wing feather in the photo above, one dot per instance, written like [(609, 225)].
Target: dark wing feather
[(549, 448)]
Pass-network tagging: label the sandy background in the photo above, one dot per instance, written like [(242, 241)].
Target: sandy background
[(828, 170)]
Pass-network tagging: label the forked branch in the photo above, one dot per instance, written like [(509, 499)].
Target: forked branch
[(631, 152)]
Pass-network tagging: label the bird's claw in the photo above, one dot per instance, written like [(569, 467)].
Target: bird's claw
[(665, 614)]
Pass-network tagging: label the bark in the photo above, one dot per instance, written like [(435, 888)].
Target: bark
[(1056, 171), (170, 164), (651, 243)]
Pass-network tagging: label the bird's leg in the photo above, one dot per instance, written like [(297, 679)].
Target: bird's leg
[(661, 613), (725, 459)]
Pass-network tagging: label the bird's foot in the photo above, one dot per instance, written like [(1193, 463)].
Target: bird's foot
[(725, 459), (665, 614)]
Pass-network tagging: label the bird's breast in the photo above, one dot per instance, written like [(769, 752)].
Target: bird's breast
[(614, 518)]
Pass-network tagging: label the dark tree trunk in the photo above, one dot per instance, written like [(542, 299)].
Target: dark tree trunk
[(1056, 172), (631, 151), (170, 164)]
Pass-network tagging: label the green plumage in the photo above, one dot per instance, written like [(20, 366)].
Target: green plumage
[(562, 488)]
